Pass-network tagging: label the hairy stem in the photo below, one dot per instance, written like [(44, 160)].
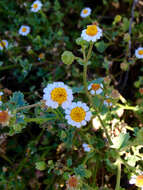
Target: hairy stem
[(105, 130), (118, 175), (86, 89), (29, 106)]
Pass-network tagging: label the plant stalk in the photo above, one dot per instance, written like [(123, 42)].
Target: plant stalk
[(86, 89), (118, 178)]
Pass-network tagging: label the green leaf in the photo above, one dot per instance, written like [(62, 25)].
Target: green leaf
[(96, 101), (120, 141), (88, 173), (82, 42), (126, 23), (80, 170), (17, 100), (67, 137), (139, 137), (101, 46), (68, 57), (79, 89), (98, 80), (40, 165), (69, 162)]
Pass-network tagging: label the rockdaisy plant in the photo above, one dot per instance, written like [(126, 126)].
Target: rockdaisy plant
[(95, 88), (24, 30), (139, 53), (75, 114), (91, 33), (78, 114), (58, 94), (3, 44), (85, 12), (36, 6)]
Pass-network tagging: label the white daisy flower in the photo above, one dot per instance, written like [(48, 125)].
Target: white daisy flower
[(57, 94), (24, 30), (107, 101), (36, 6), (85, 12), (86, 147), (91, 33), (137, 180), (3, 44), (139, 53), (95, 88), (78, 114)]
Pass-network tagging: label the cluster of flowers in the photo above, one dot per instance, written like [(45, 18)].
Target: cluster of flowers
[(93, 33), (76, 113), (35, 7), (58, 94), (24, 29)]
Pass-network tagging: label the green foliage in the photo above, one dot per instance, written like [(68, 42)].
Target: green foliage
[(39, 148), (16, 101), (41, 165), (120, 141)]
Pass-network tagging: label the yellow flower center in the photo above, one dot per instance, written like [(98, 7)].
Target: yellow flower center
[(59, 95), (85, 11), (4, 116), (140, 52), (139, 181), (108, 101), (95, 86), (3, 43), (35, 6), (24, 29), (91, 30), (77, 114), (0, 98)]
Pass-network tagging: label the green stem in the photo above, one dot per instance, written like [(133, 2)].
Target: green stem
[(85, 70), (126, 107), (22, 163), (8, 67), (6, 158), (39, 136), (89, 51), (105, 130), (60, 114), (21, 166), (118, 175), (86, 88), (38, 119), (29, 106), (85, 79)]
